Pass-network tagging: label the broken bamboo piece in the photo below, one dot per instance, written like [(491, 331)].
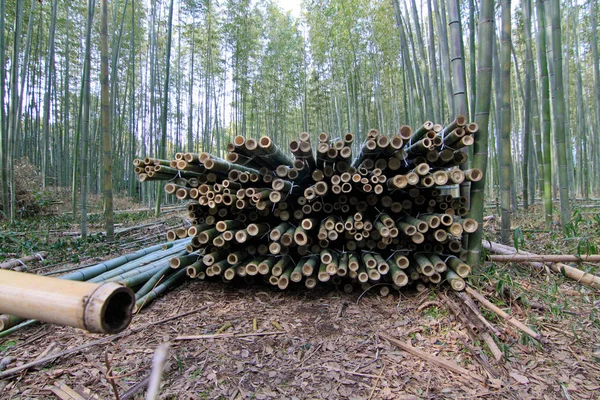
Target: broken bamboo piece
[(501, 313), (438, 361)]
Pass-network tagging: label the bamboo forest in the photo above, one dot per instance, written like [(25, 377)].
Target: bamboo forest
[(264, 199)]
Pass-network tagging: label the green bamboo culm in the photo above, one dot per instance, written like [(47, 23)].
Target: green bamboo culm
[(163, 287), (505, 129), (144, 290), (545, 96), (138, 279), (482, 116), (17, 327), (8, 321), (154, 266), (163, 123), (150, 259), (95, 270), (558, 108)]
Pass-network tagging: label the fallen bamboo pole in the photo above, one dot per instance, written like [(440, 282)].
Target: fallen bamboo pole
[(553, 258), (21, 261), (578, 275), (228, 335), (99, 308)]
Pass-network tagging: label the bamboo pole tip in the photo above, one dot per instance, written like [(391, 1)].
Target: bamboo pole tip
[(239, 140), (304, 136), (109, 308), (265, 142), (461, 120)]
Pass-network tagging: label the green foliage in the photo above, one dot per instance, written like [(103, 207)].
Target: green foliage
[(7, 345), (518, 238), (583, 233)]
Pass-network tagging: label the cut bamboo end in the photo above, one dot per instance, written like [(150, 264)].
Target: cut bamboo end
[(98, 308), (310, 283), (473, 175), (470, 225), (422, 169), (455, 281), (405, 132)]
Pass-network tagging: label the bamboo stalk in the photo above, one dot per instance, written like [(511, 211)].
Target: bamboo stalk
[(568, 271), (544, 258), (99, 308)]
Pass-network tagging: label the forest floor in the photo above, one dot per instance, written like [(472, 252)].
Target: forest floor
[(327, 344)]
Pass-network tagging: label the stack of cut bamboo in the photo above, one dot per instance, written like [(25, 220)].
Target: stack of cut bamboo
[(391, 214)]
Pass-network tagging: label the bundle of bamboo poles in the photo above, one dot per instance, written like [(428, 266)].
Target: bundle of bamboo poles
[(390, 214), (147, 271)]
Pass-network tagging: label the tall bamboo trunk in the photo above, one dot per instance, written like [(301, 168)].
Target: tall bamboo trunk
[(545, 109), (107, 185), (482, 114), (85, 116), (558, 108), (505, 142)]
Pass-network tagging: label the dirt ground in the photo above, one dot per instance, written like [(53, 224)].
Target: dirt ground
[(327, 345)]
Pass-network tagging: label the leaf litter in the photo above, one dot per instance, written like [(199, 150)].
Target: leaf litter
[(328, 353)]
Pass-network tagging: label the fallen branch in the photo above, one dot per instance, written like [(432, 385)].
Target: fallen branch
[(440, 362), (570, 272), (514, 322), (64, 392), (158, 363), (228, 335), (470, 304), (136, 388), (554, 258), (472, 319), (21, 261)]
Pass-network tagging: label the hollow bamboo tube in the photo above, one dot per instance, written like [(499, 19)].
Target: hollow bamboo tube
[(8, 321), (473, 175), (323, 275), (196, 269), (374, 275), (382, 265), (421, 225), (455, 263), (456, 282), (362, 274), (470, 226), (438, 264), (456, 176), (435, 278), (300, 236), (252, 266), (296, 274), (440, 178), (266, 265), (456, 229), (423, 262), (406, 228), (183, 261), (421, 131), (369, 260), (98, 308)]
